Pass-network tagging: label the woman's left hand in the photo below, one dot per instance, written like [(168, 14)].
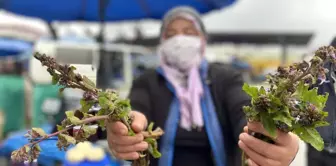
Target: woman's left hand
[(261, 153)]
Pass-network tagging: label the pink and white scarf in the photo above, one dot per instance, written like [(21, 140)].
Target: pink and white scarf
[(180, 58)]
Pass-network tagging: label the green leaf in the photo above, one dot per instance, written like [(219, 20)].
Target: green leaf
[(59, 127), (26, 148), (251, 113), (73, 68), (101, 124), (152, 147), (271, 110), (86, 105), (275, 100), (123, 103), (55, 79), (74, 120), (88, 82), (311, 96), (324, 113), (283, 118), (89, 130), (104, 102), (69, 114), (111, 108), (262, 91), (311, 136), (269, 125), (38, 131), (86, 115), (150, 127), (251, 91), (321, 101), (103, 94), (82, 102), (102, 112), (301, 88), (123, 114), (285, 110), (131, 133), (320, 124), (69, 139), (37, 147)]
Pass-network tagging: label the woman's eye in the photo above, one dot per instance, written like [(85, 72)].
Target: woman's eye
[(190, 31), (170, 34)]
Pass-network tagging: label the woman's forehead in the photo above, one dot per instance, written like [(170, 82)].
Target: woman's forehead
[(180, 22)]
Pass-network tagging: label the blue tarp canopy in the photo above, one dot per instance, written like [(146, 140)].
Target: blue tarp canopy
[(116, 10), (50, 154), (12, 47)]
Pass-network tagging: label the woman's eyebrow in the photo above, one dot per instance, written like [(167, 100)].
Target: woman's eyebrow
[(190, 28), (170, 29)]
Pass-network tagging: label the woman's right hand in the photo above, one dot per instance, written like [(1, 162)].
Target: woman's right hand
[(126, 147)]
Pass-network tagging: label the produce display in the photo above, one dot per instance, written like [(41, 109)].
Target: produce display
[(112, 109), (290, 104), (85, 154)]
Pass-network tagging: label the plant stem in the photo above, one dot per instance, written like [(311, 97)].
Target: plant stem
[(85, 121), (156, 133), (123, 120), (301, 76), (243, 159), (293, 81)]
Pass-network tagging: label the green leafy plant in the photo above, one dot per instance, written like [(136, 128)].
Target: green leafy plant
[(292, 102), (112, 109)]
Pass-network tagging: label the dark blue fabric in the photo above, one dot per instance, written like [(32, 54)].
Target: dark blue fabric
[(328, 133), (12, 47), (88, 10), (212, 125), (49, 153)]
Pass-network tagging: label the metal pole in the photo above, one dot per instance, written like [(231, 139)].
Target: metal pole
[(52, 30), (284, 52), (102, 74)]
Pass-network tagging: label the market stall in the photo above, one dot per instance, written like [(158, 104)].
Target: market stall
[(98, 11)]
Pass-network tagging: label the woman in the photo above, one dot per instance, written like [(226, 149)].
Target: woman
[(198, 104)]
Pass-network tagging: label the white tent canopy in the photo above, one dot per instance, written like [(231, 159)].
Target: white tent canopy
[(23, 28), (246, 16)]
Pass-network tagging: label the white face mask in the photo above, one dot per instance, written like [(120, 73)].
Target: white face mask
[(182, 52)]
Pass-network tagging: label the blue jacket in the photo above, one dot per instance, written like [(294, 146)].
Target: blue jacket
[(328, 133)]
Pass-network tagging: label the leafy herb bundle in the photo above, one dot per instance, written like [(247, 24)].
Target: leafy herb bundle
[(112, 109), (292, 102)]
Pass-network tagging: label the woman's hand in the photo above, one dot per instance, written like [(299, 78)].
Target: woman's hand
[(261, 153), (126, 147)]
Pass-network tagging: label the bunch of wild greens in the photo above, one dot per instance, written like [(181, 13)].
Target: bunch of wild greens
[(292, 103), (112, 109)]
